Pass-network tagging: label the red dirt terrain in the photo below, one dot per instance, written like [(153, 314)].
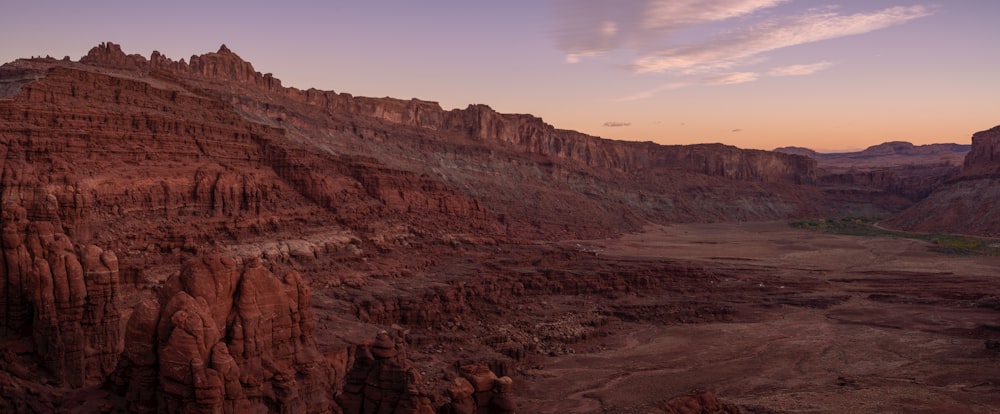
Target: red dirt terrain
[(191, 236)]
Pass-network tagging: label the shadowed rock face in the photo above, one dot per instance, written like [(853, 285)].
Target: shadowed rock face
[(384, 380), (63, 296)]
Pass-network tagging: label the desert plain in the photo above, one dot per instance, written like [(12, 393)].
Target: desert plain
[(818, 323)]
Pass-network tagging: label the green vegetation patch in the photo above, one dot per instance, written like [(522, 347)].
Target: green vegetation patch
[(865, 226)]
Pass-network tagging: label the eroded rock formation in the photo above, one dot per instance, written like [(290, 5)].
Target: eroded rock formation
[(384, 380), (63, 295), (698, 402), (226, 338)]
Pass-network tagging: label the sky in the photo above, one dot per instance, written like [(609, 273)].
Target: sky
[(827, 75)]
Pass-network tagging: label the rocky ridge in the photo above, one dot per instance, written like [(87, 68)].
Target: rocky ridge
[(525, 132), (478, 151)]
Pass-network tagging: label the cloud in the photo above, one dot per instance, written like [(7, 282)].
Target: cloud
[(587, 28), (650, 92), (676, 14), (732, 78), (576, 57), (737, 130), (738, 45), (800, 70), (617, 124), (706, 37), (713, 42), (726, 79), (609, 28)]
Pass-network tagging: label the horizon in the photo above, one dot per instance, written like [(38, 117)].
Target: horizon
[(758, 74)]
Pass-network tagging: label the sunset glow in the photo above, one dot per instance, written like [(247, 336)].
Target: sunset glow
[(751, 73)]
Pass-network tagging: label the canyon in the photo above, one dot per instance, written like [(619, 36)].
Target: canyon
[(192, 236)]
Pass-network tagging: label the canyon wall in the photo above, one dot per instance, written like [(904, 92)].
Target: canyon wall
[(967, 204), (524, 132)]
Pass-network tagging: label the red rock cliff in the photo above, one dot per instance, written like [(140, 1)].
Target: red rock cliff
[(524, 132)]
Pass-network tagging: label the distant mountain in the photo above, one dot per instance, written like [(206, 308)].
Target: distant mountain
[(798, 151), (906, 148), (887, 154)]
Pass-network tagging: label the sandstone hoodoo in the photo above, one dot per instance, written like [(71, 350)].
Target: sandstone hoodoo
[(192, 236), (225, 338)]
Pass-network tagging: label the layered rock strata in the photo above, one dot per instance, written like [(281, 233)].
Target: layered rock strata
[(480, 122), (480, 153)]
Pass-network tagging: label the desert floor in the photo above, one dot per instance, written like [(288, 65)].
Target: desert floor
[(825, 324)]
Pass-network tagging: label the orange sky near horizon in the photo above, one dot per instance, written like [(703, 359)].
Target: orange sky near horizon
[(826, 75)]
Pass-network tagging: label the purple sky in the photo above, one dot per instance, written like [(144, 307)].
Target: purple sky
[(752, 73)]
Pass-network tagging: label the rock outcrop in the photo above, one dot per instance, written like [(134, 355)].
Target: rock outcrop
[(225, 338), (489, 393), (384, 380), (698, 402)]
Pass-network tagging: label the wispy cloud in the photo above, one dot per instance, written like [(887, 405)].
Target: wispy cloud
[(724, 79), (617, 124), (743, 43), (711, 41), (732, 78), (587, 28), (676, 14), (800, 70), (577, 57), (652, 92)]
